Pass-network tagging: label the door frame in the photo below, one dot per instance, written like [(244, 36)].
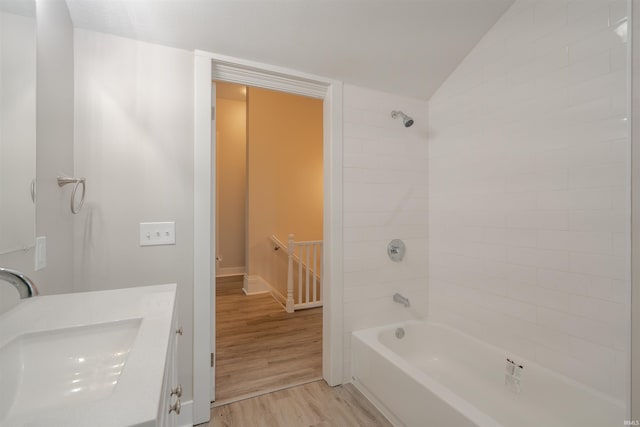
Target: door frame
[(208, 67)]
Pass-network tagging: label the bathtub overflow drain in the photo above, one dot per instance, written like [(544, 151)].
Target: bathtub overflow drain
[(400, 333)]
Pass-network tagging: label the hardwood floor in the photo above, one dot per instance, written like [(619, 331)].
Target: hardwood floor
[(261, 348), (310, 405)]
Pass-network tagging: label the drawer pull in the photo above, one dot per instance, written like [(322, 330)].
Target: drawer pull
[(179, 330), (175, 407), (177, 391)]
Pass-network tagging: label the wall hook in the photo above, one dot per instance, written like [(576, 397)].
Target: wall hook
[(64, 180)]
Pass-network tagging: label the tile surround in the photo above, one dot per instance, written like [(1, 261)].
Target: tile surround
[(385, 197), (529, 190)]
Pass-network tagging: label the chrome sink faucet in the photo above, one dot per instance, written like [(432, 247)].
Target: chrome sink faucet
[(25, 286), (401, 300)]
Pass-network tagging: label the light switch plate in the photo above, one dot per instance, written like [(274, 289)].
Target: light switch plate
[(41, 253), (157, 233)]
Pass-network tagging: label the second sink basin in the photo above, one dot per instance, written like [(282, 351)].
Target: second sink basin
[(69, 366)]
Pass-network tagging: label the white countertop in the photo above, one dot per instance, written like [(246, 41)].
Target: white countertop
[(135, 399)]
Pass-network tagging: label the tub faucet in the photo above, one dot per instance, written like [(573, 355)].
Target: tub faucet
[(401, 300), (25, 286)]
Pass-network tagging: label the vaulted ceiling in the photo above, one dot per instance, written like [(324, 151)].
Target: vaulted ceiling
[(407, 47)]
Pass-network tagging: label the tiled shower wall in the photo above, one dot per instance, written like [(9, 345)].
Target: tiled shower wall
[(529, 190), (385, 197)]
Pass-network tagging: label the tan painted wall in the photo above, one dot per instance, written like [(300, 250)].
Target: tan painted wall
[(231, 182), (285, 193)]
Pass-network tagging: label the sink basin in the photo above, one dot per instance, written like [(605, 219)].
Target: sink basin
[(86, 359), (64, 367)]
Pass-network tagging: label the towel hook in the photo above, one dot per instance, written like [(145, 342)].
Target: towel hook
[(64, 180)]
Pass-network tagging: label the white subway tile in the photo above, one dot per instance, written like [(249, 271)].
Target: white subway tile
[(578, 199), (606, 311), (537, 219), (582, 327), (590, 352), (539, 258), (618, 11), (608, 289), (598, 265), (528, 189), (614, 175), (511, 237), (600, 42), (564, 281)]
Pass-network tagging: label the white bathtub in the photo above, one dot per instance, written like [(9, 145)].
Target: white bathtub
[(437, 376)]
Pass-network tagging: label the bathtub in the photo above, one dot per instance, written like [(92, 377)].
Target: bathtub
[(438, 376)]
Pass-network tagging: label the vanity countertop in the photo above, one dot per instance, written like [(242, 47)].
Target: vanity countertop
[(86, 359)]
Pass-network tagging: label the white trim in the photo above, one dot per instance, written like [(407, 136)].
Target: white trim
[(249, 73), (185, 419), (278, 78), (230, 271), (254, 285), (305, 305), (202, 265), (395, 421)]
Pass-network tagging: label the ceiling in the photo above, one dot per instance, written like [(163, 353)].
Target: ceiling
[(407, 47)]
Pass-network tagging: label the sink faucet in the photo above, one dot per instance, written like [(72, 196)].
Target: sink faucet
[(401, 300), (25, 286)]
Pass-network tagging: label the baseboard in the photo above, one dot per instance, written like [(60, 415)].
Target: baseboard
[(254, 285), (185, 419), (395, 421), (229, 271)]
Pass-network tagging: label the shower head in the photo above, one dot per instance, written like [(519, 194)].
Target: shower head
[(406, 120)]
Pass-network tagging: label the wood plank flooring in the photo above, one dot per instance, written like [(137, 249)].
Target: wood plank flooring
[(259, 346), (310, 405)]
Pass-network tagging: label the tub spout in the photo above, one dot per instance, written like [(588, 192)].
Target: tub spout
[(22, 283), (401, 300)]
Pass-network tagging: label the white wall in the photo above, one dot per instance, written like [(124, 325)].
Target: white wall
[(529, 190), (385, 197), (635, 197), (54, 154), (134, 144), (17, 130)]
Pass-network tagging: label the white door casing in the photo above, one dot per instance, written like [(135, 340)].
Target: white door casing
[(207, 67)]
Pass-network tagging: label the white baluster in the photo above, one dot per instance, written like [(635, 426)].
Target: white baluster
[(308, 281), (315, 272), (300, 274), (290, 302)]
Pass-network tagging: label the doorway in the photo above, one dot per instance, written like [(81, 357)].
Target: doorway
[(269, 180), (208, 66)]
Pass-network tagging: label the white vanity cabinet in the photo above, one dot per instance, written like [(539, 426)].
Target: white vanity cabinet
[(120, 346), (171, 398)]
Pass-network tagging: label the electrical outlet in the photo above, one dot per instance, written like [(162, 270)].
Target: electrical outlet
[(157, 233)]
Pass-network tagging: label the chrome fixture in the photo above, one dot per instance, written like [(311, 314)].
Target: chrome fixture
[(513, 375), (401, 300), (64, 180), (406, 120), (25, 286), (396, 250)]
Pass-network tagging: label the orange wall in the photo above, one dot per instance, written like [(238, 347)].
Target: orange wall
[(231, 182), (285, 193)]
